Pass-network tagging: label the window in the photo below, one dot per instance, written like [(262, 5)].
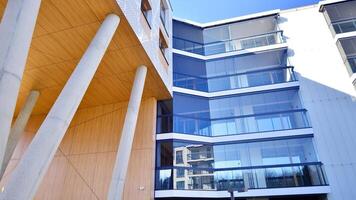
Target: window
[(180, 173), (165, 155), (146, 11), (180, 185), (163, 46), (163, 13), (179, 157)]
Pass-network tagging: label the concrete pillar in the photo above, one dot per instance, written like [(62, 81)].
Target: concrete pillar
[(16, 29), (127, 136), (18, 128), (27, 176)]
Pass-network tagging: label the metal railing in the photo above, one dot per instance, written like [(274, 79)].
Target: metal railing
[(200, 155)]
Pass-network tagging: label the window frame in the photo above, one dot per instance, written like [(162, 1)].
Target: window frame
[(146, 10)]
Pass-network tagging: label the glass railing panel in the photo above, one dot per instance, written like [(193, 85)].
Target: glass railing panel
[(230, 45), (285, 120), (235, 81), (190, 82), (293, 175), (189, 46)]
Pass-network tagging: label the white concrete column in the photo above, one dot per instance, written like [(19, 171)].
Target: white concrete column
[(27, 176), (18, 128), (16, 29), (127, 136)]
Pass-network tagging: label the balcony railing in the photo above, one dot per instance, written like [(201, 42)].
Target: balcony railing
[(344, 26), (235, 81), (260, 177), (238, 44), (195, 172), (199, 156), (274, 121)]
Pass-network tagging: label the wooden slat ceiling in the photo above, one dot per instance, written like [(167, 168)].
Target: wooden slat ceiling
[(63, 31)]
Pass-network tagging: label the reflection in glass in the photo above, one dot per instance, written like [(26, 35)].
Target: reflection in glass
[(341, 17), (228, 45), (347, 48), (231, 115), (203, 157), (300, 175), (229, 82)]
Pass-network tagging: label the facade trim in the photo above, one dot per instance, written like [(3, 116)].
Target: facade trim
[(249, 193), (283, 45), (307, 132), (278, 86)]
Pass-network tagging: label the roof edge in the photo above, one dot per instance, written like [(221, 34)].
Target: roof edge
[(230, 20), (328, 2)]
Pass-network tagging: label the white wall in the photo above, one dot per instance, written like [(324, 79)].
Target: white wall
[(149, 37), (327, 93)]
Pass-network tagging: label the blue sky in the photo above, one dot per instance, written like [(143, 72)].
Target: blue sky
[(212, 10)]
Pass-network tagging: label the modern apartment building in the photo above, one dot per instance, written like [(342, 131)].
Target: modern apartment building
[(262, 104), (76, 78), (114, 99)]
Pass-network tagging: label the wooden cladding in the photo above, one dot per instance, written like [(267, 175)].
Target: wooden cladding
[(83, 164)]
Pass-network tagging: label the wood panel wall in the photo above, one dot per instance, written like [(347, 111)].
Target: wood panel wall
[(83, 164)]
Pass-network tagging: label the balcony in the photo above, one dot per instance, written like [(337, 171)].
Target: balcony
[(235, 81), (340, 16), (260, 177), (347, 48), (264, 122), (265, 39)]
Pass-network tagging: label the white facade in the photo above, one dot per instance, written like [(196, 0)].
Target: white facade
[(327, 94), (149, 34)]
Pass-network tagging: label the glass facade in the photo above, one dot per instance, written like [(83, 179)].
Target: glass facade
[(233, 72), (228, 37), (255, 165), (288, 161), (271, 111)]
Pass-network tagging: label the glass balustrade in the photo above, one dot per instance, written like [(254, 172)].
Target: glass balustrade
[(261, 177), (285, 120), (235, 81), (238, 44)]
